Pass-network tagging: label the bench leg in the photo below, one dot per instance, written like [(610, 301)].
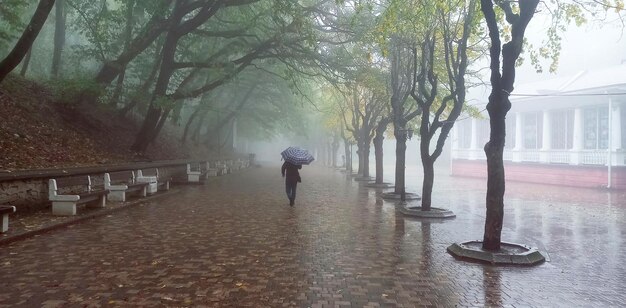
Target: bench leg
[(101, 202), (4, 224), (117, 195), (63, 208), (144, 191), (152, 188), (193, 178)]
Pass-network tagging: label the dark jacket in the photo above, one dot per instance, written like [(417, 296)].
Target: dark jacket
[(292, 172)]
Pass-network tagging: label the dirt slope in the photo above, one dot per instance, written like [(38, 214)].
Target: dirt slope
[(36, 132)]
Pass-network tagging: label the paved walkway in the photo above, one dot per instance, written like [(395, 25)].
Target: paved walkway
[(236, 242)]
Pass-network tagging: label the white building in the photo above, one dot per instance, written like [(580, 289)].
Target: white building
[(566, 131)]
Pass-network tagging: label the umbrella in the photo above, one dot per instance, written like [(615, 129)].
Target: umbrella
[(297, 156)]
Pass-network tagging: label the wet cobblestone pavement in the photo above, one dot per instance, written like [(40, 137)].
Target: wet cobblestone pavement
[(236, 242)]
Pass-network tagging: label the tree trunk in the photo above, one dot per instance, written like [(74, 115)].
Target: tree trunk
[(366, 160), (427, 160), (59, 37), (495, 197), (150, 125), (151, 129), (379, 138), (378, 154), (26, 62), (349, 159), (143, 136), (427, 184), (400, 163), (160, 125), (25, 42), (498, 106), (359, 154), (119, 86), (346, 153)]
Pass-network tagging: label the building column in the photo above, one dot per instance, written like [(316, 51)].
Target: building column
[(616, 135), (519, 138), (546, 138), (474, 141), (577, 147)]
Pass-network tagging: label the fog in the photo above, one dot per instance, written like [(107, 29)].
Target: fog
[(150, 152), (599, 43)]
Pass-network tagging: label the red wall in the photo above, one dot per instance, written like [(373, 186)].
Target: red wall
[(566, 175)]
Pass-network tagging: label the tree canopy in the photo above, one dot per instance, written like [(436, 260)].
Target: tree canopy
[(167, 60)]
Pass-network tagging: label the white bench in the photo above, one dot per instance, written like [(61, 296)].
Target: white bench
[(154, 179), (122, 182), (5, 210), (194, 173), (229, 165), (65, 193), (238, 165), (210, 171), (222, 168)]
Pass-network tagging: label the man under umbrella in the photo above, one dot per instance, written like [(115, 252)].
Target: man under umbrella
[(294, 159), (291, 180)]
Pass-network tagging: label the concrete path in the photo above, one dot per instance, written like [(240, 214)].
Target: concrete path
[(236, 242)]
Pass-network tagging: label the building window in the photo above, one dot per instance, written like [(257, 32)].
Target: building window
[(562, 129), (509, 142), (596, 128), (464, 130), (532, 130)]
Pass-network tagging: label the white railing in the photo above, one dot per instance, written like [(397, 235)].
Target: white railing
[(559, 157), (460, 154), (586, 157), (593, 157), (530, 156)]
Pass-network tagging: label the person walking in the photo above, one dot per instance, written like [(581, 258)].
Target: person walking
[(292, 177)]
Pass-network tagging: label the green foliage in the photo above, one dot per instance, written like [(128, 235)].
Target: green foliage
[(12, 20), (100, 24), (164, 102), (407, 20)]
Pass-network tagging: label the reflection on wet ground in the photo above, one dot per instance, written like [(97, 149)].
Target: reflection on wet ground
[(236, 242)]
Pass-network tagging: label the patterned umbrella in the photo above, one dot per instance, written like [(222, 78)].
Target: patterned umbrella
[(297, 156)]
